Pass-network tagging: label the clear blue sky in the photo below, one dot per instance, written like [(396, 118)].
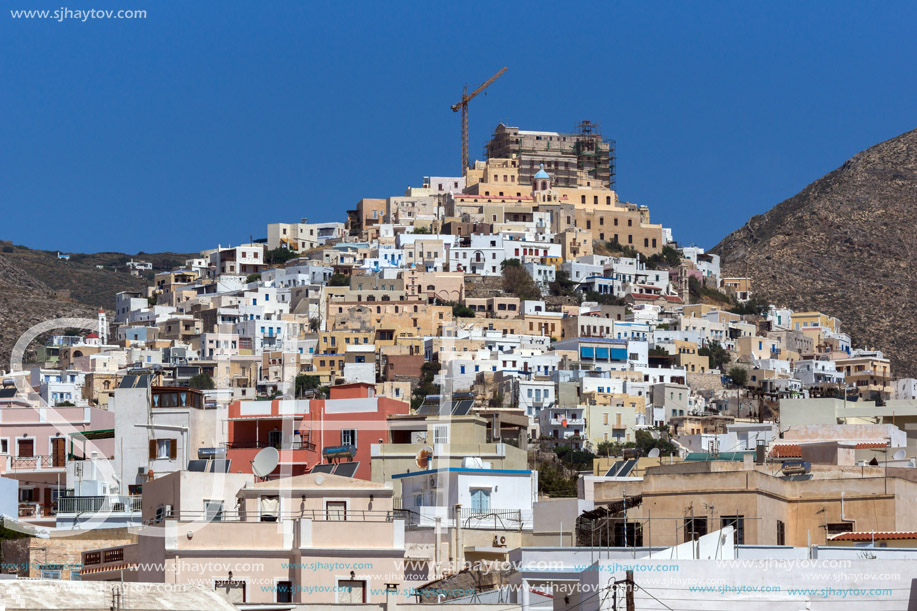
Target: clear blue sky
[(206, 121)]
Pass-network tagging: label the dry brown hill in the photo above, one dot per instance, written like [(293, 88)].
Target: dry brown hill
[(36, 286), (845, 246)]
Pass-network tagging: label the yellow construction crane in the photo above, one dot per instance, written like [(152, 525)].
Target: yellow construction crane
[(463, 105)]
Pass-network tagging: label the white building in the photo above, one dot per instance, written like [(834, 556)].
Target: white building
[(481, 491)]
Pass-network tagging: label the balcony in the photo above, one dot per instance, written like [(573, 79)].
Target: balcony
[(35, 463), (98, 504), (570, 422), (248, 445)]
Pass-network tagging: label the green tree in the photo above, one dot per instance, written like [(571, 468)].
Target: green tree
[(718, 356), (252, 278), (201, 381), (644, 441), (553, 481), (426, 387), (668, 257), (304, 382), (603, 298), (460, 310), (562, 286), (739, 376), (518, 282), (339, 280), (279, 256)]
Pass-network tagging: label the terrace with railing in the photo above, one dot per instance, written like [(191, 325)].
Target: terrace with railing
[(98, 504)]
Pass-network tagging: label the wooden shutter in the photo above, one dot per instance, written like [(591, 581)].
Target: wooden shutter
[(173, 447), (152, 449)]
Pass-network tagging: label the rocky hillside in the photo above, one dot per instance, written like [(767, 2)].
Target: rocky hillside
[(844, 245), (36, 286)]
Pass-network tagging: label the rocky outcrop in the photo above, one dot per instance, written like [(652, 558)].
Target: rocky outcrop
[(844, 245)]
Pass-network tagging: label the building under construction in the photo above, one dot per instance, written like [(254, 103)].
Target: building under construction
[(572, 159)]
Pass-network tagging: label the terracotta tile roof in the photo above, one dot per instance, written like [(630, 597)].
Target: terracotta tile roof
[(878, 535), (867, 445), (787, 450)]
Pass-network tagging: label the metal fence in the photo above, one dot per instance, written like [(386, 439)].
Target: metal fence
[(95, 504)]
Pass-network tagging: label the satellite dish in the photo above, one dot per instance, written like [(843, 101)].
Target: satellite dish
[(265, 461), (424, 457), (900, 454), (654, 453)]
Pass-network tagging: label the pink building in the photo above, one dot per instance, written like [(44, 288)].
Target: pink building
[(36, 445)]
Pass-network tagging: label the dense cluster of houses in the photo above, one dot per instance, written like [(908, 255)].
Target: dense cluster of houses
[(368, 411)]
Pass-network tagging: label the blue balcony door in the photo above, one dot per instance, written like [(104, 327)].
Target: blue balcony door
[(480, 500)]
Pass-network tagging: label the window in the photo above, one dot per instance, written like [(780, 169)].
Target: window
[(737, 522), (440, 433), (336, 510), (51, 571), (839, 527), (480, 500), (781, 533), (349, 437), (274, 438), (213, 511), (695, 528), (26, 448), (285, 588), (4, 446), (163, 449)]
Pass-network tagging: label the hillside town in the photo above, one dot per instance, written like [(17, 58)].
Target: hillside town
[(506, 390)]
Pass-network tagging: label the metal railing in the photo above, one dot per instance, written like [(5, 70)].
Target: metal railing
[(331, 514), (94, 504), (35, 463), (495, 519), (245, 445)]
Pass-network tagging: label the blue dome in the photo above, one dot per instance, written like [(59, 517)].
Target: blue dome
[(541, 173)]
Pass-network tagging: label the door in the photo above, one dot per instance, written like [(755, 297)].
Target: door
[(480, 500), (58, 446), (351, 591), (335, 510)]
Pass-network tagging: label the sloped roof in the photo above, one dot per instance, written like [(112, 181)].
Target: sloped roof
[(878, 536)]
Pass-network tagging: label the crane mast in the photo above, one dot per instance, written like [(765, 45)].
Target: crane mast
[(463, 106)]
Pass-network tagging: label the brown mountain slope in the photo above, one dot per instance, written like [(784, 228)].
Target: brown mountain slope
[(36, 286), (844, 245)]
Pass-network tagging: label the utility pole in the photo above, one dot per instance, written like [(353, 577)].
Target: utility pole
[(628, 583)]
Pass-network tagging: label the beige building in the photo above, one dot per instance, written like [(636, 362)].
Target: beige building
[(690, 499), (452, 438), (289, 540)]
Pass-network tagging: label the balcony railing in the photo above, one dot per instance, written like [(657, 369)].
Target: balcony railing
[(247, 445), (331, 514), (494, 519), (36, 463), (96, 504)]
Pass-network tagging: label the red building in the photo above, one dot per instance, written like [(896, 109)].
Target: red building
[(311, 432)]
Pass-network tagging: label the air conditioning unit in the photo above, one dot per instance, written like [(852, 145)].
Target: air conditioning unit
[(141, 470)]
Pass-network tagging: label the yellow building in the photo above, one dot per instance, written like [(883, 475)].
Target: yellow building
[(804, 320), (687, 357), (611, 417)]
